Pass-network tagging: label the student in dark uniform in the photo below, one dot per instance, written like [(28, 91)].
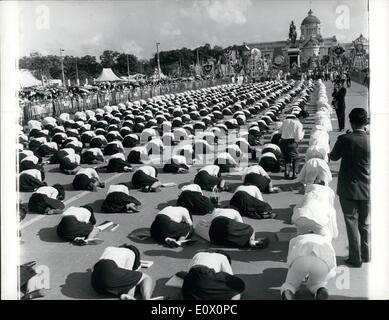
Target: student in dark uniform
[(210, 277), (77, 222), (116, 273), (192, 198), (171, 226), (47, 200), (118, 200)]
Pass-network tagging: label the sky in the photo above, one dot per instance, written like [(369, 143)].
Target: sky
[(134, 26)]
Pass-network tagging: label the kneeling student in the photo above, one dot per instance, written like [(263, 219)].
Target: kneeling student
[(210, 277), (309, 255), (172, 226)]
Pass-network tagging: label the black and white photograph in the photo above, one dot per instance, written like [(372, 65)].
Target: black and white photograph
[(193, 150)]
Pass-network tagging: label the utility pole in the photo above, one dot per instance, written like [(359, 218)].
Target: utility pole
[(128, 70), (63, 73), (77, 78), (159, 66)]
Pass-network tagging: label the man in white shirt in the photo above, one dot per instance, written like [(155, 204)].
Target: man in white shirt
[(208, 177), (291, 133), (145, 178)]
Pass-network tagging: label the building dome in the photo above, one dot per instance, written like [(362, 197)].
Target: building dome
[(310, 19)]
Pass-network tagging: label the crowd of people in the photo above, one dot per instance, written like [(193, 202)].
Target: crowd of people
[(194, 122)]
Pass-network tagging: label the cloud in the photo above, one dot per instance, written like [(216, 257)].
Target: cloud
[(225, 12), (169, 31), (95, 41), (132, 47)]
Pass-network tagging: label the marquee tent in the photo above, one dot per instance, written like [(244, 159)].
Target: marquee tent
[(26, 79), (107, 75)]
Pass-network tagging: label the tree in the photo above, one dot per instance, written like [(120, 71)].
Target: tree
[(109, 58)]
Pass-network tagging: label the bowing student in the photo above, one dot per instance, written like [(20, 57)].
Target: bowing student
[(255, 175), (47, 200), (118, 200), (117, 273), (210, 277), (248, 200), (315, 213), (87, 179), (145, 178), (172, 225), (176, 164), (30, 180), (208, 177), (225, 226), (313, 256), (192, 198), (77, 224)]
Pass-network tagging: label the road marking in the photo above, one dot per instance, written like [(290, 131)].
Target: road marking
[(66, 202)]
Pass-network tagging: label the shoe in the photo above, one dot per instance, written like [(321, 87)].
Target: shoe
[(171, 243), (262, 243), (365, 260), (322, 294), (287, 295), (353, 264)]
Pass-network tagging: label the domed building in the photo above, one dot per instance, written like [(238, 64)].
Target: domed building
[(311, 46), (310, 26)]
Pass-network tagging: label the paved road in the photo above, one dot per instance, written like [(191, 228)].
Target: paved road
[(264, 271)]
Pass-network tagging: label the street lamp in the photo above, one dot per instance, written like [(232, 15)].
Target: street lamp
[(63, 73), (159, 67)]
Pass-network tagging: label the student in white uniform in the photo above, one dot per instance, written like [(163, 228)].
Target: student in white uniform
[(87, 179), (210, 277), (255, 175), (176, 164), (70, 163), (92, 156), (315, 213), (192, 198), (208, 177), (225, 161), (315, 170), (47, 200), (248, 200), (145, 178), (138, 155), (113, 147), (118, 200), (171, 226), (116, 273), (309, 255), (77, 224), (226, 227), (117, 163), (30, 180)]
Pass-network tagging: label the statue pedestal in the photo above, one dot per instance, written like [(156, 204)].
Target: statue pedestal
[(293, 58)]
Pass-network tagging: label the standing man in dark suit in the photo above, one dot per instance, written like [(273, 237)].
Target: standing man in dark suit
[(354, 186), (339, 102)]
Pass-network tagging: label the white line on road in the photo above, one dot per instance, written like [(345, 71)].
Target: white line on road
[(66, 202)]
